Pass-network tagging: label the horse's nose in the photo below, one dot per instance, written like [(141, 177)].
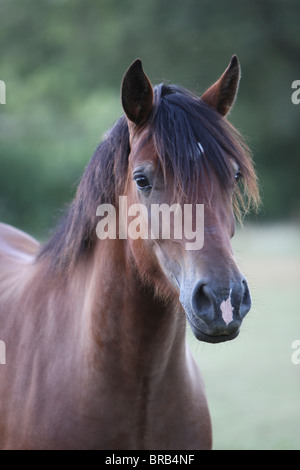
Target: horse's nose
[(218, 310), (211, 300)]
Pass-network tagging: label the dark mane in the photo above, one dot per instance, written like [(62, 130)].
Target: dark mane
[(179, 123), (76, 233)]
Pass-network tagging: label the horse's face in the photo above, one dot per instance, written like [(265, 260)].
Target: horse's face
[(202, 272), (211, 288)]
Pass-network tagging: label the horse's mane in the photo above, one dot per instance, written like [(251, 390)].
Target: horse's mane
[(191, 139)]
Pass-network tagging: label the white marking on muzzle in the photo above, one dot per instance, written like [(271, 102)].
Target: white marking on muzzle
[(227, 309)]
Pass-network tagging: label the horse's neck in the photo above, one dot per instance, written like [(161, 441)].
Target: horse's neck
[(132, 330)]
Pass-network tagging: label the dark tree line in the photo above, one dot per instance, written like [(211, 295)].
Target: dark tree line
[(62, 62)]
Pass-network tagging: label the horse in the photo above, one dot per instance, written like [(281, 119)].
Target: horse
[(95, 328)]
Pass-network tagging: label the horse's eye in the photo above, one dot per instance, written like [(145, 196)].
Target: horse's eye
[(142, 182), (238, 176)]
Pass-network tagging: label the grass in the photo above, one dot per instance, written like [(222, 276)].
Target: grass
[(253, 388)]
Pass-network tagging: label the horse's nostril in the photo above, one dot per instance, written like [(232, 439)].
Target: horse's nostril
[(201, 301), (246, 301)]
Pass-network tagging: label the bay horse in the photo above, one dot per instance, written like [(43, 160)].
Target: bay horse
[(95, 330)]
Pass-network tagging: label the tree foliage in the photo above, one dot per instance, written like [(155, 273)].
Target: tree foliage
[(63, 61)]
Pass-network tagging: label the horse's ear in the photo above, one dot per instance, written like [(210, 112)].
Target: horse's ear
[(137, 94), (222, 94)]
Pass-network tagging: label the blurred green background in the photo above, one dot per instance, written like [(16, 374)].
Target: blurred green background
[(63, 61)]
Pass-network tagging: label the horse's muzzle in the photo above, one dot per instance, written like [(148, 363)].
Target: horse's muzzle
[(215, 313)]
